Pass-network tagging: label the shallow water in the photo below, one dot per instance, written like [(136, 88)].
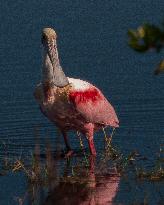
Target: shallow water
[(92, 42)]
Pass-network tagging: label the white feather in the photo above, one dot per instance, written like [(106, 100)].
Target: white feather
[(79, 84)]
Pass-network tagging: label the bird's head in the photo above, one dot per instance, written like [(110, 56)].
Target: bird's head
[(49, 44), (50, 47), (48, 34)]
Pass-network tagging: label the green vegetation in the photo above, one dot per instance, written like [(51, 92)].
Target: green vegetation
[(148, 37)]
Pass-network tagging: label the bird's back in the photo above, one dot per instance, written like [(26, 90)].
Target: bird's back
[(91, 103)]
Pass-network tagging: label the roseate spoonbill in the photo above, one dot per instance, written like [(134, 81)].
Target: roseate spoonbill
[(71, 104)]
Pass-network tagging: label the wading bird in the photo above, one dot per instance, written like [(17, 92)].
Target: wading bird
[(71, 104)]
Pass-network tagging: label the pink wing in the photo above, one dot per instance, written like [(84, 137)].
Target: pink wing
[(93, 106)]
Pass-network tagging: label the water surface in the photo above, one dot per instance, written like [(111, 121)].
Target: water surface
[(92, 43)]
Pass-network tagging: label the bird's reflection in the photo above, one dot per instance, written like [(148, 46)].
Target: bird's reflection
[(90, 189)]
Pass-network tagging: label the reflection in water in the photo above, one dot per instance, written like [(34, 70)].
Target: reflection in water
[(88, 188), (83, 186)]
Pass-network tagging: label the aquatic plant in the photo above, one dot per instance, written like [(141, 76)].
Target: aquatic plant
[(148, 37)]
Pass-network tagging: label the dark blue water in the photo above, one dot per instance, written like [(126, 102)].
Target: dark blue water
[(92, 43)]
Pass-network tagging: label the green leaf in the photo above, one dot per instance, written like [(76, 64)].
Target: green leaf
[(146, 37), (160, 68)]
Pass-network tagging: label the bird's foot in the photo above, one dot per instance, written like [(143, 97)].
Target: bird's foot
[(69, 154)]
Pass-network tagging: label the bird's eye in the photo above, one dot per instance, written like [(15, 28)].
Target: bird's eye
[(43, 38)]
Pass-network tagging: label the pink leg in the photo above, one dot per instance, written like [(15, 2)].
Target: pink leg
[(92, 147), (90, 132), (69, 150)]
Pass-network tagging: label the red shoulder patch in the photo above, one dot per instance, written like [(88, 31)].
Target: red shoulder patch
[(91, 95)]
